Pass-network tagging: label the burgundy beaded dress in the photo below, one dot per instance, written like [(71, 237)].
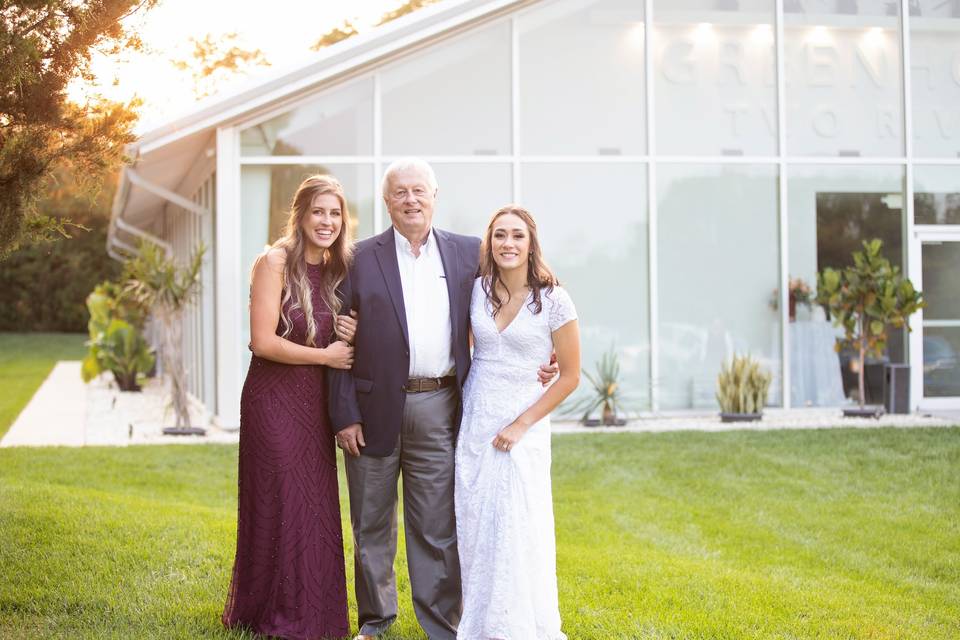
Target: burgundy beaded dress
[(288, 576)]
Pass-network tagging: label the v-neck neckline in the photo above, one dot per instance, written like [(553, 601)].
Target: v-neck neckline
[(500, 331)]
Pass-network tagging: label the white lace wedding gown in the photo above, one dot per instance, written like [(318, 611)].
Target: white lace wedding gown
[(504, 504)]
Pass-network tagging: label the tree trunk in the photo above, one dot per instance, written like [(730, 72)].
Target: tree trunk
[(863, 364), (173, 365)]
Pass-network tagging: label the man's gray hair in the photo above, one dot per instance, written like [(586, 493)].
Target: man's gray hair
[(407, 164)]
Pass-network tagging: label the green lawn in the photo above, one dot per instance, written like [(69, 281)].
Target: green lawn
[(786, 535), (25, 360)]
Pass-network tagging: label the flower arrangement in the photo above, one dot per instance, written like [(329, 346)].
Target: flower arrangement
[(798, 292)]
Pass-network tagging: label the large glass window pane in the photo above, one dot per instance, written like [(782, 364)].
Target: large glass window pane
[(266, 193), (715, 77), (592, 220), (581, 78), (941, 319), (718, 262), (831, 210), (843, 78), (935, 76), (452, 99), (936, 194), (338, 123), (469, 194)]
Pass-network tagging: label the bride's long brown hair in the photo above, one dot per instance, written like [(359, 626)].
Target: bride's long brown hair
[(539, 276), (336, 259)]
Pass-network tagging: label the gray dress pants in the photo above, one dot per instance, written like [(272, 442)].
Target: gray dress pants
[(424, 456)]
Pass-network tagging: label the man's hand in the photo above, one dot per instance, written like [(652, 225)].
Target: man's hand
[(549, 371), (346, 327), (350, 439)]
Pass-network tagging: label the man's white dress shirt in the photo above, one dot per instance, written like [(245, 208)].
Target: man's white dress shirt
[(427, 304)]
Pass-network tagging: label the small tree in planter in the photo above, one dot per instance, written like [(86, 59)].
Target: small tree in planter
[(166, 288), (605, 393), (742, 388), (865, 299)]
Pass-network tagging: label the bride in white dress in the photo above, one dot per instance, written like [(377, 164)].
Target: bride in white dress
[(504, 506)]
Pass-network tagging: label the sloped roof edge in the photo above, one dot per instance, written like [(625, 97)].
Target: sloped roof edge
[(336, 59)]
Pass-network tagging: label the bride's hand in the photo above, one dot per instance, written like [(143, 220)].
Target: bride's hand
[(509, 436)]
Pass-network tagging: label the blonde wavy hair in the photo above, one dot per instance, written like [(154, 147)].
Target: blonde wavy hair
[(297, 289)]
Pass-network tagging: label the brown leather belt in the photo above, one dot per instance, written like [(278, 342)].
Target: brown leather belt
[(419, 385)]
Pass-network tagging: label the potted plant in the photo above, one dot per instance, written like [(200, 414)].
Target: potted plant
[(866, 299), (116, 341), (605, 393), (742, 388), (166, 288)]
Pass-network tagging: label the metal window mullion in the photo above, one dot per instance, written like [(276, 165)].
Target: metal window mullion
[(378, 222), (782, 214), (515, 106), (914, 346), (653, 309)]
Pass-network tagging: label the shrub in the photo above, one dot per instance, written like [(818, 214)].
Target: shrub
[(742, 386)]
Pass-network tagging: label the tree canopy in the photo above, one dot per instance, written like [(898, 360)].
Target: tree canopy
[(47, 44), (217, 59)]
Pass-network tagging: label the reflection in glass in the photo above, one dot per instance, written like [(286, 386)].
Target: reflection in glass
[(452, 99), (843, 91), (941, 319), (469, 194), (339, 122), (592, 220), (934, 37), (936, 194), (715, 78), (717, 262), (265, 198), (831, 210), (581, 78)]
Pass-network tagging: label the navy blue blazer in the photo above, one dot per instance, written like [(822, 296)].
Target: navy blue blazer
[(372, 393)]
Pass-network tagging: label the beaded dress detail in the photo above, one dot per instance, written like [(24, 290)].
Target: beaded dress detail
[(288, 576)]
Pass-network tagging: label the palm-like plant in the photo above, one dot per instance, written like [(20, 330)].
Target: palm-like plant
[(166, 288), (604, 391)]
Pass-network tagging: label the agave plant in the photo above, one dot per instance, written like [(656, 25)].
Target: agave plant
[(166, 288), (604, 392), (742, 386)]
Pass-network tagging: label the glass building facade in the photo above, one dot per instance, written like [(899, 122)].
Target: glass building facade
[(685, 159)]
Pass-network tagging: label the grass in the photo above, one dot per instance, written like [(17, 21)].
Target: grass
[(787, 535), (25, 361)]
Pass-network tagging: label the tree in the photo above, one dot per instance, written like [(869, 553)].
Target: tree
[(865, 299), (348, 29), (215, 60), (45, 45), (335, 35), (407, 7)]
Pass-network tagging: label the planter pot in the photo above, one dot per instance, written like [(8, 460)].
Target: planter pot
[(867, 412), (740, 417), (184, 431)]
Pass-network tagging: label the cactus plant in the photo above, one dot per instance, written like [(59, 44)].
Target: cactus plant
[(742, 387)]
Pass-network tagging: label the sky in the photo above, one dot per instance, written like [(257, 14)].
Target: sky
[(282, 29)]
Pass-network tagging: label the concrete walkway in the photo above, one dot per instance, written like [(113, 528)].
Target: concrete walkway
[(62, 413), (56, 413)]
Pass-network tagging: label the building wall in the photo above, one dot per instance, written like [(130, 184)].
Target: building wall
[(679, 181)]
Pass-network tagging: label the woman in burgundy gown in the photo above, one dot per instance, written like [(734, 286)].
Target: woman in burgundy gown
[(288, 576)]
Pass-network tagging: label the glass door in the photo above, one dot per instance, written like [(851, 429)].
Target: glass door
[(937, 334)]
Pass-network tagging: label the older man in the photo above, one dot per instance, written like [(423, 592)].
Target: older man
[(397, 411)]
